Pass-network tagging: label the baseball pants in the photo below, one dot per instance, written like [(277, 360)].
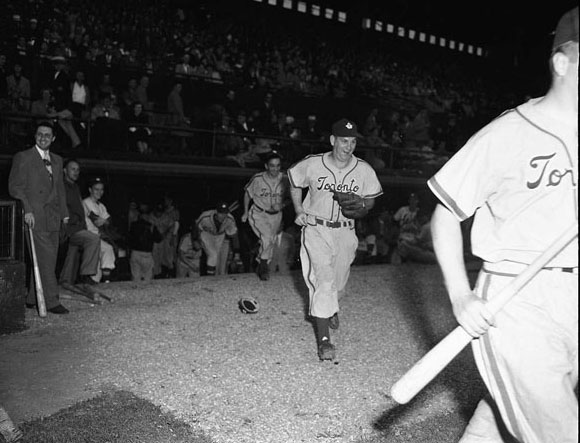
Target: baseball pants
[(266, 227), (326, 255), (216, 250), (187, 268), (141, 264), (529, 361)]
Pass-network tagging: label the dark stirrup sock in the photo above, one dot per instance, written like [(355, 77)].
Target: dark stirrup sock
[(322, 329)]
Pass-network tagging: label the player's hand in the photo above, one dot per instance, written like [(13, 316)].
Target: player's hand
[(301, 219), (100, 221), (29, 219), (244, 217), (472, 314)]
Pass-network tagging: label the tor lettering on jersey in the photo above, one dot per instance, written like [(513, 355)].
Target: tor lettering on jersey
[(548, 175), (325, 185)]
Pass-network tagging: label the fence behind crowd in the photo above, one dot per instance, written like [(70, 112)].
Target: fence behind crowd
[(115, 139)]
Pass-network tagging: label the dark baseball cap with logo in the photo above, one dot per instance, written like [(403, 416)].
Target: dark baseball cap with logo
[(567, 29), (223, 208), (345, 128)]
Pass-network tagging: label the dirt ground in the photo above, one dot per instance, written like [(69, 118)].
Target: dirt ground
[(185, 346)]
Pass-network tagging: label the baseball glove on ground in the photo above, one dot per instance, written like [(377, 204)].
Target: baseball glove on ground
[(351, 204), (248, 305)]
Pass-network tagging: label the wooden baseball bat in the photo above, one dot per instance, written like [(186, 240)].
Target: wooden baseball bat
[(235, 205), (447, 349), (37, 282)]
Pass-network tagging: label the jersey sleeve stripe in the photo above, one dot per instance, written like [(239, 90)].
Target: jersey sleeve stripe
[(251, 181), (289, 173), (446, 199), (375, 195)]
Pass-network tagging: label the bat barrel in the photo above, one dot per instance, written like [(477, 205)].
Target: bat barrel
[(429, 366), (37, 280)]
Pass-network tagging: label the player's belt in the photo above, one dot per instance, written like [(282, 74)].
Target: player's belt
[(569, 270), (336, 224), (265, 210)]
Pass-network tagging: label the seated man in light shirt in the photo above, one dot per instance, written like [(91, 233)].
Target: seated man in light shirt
[(98, 220)]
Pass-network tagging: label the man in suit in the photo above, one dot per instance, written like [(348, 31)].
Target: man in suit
[(36, 179)]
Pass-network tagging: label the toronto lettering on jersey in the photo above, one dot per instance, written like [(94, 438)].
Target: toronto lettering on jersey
[(268, 193), (342, 187), (547, 173)]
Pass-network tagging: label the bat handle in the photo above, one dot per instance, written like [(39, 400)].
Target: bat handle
[(430, 365)]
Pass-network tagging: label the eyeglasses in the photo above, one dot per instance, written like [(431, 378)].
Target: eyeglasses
[(43, 135)]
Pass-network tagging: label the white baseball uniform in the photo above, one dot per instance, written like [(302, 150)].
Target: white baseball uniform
[(265, 214), (107, 255), (329, 241), (212, 237), (519, 176)]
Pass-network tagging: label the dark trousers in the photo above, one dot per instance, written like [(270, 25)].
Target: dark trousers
[(89, 246)]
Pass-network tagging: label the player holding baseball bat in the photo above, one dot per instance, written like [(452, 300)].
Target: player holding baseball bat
[(518, 177), (441, 355)]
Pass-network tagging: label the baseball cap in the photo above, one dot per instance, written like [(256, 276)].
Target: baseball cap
[(273, 154), (223, 207), (95, 181), (567, 29), (345, 128)]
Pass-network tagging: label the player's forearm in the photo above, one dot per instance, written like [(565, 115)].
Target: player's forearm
[(369, 203), (246, 202), (448, 246), (296, 195)]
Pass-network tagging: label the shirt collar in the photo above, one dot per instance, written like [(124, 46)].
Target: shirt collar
[(45, 155)]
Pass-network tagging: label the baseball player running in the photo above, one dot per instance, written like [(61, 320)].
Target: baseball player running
[(268, 192), (214, 226), (519, 176), (328, 239)]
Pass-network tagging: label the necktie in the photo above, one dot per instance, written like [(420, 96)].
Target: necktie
[(48, 165)]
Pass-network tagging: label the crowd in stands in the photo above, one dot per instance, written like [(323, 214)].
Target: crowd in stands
[(125, 67)]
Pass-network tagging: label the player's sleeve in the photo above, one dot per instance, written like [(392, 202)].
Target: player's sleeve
[(249, 188), (298, 173), (468, 179), (200, 223), (398, 215), (88, 208), (231, 228), (104, 212), (371, 186)]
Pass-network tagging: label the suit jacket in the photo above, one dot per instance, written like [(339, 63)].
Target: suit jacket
[(30, 182)]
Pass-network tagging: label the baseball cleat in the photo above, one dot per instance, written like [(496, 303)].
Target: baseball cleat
[(326, 351), (263, 270), (333, 321)]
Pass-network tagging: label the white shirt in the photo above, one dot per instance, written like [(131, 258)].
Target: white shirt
[(98, 208), (79, 93)]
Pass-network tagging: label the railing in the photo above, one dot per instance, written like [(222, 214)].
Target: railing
[(112, 139), (11, 231)]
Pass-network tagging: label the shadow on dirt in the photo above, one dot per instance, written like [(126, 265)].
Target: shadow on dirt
[(117, 416)]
